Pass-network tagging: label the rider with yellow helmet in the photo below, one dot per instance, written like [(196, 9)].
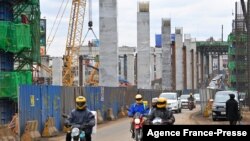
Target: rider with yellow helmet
[(162, 112), (82, 117), (137, 107)]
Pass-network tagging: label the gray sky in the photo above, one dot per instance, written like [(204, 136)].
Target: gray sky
[(200, 18)]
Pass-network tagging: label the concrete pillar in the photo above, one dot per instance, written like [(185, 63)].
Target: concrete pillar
[(152, 66), (143, 47), (166, 55), (206, 68), (210, 65), (179, 58), (219, 64), (45, 62), (199, 69), (122, 68), (187, 43), (202, 67), (158, 65), (193, 46), (131, 68), (57, 69), (108, 71)]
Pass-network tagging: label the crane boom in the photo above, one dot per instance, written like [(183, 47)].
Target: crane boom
[(74, 40)]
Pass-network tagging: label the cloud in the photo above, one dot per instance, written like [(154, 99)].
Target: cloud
[(200, 18)]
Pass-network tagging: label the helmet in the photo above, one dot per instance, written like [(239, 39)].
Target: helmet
[(154, 100), (190, 94), (138, 98), (161, 102), (80, 102)]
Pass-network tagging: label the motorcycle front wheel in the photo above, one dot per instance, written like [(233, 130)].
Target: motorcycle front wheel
[(138, 135)]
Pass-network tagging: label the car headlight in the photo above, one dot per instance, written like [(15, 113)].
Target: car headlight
[(137, 121)]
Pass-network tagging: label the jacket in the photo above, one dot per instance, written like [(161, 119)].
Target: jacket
[(232, 110), (141, 108), (164, 113), (83, 118)]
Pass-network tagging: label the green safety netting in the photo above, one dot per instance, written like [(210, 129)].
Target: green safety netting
[(10, 82), (232, 78), (21, 37), (239, 51), (240, 38), (3, 36), (14, 37), (239, 65), (231, 65), (231, 51)]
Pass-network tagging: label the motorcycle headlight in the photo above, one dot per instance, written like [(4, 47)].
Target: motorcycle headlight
[(75, 132), (157, 120), (137, 121)]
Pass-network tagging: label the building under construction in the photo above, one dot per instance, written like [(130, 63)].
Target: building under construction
[(237, 52)]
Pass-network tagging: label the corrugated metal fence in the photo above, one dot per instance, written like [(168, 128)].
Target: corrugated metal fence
[(40, 102)]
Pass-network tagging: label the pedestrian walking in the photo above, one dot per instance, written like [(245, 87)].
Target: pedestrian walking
[(232, 110)]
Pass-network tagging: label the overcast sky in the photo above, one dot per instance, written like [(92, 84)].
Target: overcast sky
[(200, 18)]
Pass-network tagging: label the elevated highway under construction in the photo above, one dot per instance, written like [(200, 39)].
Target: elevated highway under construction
[(37, 88)]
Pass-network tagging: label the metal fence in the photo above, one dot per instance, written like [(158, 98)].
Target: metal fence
[(41, 101)]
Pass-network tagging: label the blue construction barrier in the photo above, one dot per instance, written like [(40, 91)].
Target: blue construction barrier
[(41, 101)]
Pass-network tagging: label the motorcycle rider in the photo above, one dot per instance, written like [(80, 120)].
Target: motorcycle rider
[(162, 112), (83, 117), (138, 106), (191, 99), (153, 104)]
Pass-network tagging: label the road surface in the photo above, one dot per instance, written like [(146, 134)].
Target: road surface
[(118, 130)]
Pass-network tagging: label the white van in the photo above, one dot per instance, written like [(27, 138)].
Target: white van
[(174, 102)]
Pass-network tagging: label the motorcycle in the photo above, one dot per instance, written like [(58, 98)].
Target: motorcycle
[(75, 131), (190, 105), (138, 122)]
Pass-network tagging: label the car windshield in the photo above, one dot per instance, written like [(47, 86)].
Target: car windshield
[(184, 96), (169, 96), (197, 96), (222, 96)]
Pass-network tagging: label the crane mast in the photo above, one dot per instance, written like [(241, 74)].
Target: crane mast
[(74, 40)]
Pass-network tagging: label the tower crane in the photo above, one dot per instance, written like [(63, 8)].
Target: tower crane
[(74, 40)]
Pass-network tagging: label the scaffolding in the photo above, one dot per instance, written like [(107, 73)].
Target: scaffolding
[(237, 52), (19, 44)]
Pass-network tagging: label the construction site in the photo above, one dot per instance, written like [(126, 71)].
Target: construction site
[(36, 88)]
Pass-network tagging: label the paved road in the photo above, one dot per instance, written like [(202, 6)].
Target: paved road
[(118, 130)]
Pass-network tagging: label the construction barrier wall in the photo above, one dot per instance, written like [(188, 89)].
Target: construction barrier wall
[(38, 102)]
